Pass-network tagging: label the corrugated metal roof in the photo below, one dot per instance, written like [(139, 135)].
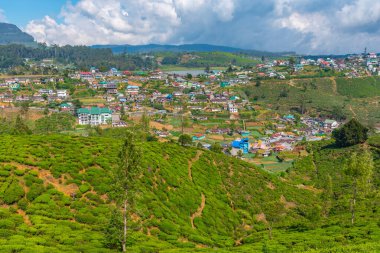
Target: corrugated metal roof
[(94, 111)]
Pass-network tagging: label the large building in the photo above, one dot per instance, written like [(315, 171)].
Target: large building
[(240, 145), (94, 116)]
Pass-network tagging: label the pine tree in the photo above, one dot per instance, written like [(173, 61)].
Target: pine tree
[(359, 168), (130, 157)]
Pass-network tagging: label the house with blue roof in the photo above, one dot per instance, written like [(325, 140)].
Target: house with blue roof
[(198, 137), (240, 144), (94, 116), (224, 84), (289, 117)]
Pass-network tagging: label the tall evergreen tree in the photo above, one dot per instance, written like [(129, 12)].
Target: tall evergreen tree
[(130, 156), (350, 134), (360, 170)]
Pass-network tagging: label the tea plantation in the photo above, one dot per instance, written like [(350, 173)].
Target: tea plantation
[(57, 194)]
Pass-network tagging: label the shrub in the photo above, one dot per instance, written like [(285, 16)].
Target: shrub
[(7, 224), (94, 197), (4, 213), (44, 198), (84, 188), (8, 167), (22, 204), (4, 173), (35, 191), (85, 218), (14, 193), (31, 179), (19, 173)]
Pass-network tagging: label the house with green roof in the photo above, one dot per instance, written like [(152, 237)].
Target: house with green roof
[(14, 86), (94, 116)]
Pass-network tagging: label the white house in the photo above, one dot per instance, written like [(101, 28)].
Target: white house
[(332, 124), (232, 108), (94, 116), (62, 94)]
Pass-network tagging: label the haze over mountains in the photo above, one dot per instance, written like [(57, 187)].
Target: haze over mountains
[(152, 48), (11, 34)]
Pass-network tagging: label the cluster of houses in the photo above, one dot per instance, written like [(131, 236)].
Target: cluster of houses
[(313, 129), (13, 90), (41, 95)]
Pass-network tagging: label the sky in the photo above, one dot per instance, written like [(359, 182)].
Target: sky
[(304, 26)]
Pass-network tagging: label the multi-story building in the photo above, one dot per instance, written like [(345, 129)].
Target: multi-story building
[(94, 116)]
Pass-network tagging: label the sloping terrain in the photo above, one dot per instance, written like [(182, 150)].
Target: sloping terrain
[(57, 195), (11, 34), (330, 97), (151, 48)]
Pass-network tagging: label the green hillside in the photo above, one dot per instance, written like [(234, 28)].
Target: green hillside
[(322, 96), (359, 87), (57, 195)]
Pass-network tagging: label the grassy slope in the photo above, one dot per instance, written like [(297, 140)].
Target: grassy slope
[(234, 193), (238, 202), (54, 221), (220, 59), (356, 97), (359, 87)]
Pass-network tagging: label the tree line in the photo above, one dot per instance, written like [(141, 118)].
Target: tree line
[(81, 56)]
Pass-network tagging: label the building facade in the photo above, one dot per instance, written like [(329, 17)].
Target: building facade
[(94, 116)]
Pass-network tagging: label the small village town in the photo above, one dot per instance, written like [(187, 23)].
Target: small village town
[(207, 105), (179, 126)]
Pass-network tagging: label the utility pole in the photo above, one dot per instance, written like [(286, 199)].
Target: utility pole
[(182, 122)]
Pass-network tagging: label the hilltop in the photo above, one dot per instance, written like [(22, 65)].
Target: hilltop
[(57, 195), (154, 48), (11, 34)]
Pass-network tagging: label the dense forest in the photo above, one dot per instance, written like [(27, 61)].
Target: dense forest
[(81, 56)]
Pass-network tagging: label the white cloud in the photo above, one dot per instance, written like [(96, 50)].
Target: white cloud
[(361, 12), (3, 18), (96, 22), (306, 26), (314, 24), (125, 21)]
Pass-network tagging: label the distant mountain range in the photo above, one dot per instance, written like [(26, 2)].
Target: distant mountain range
[(11, 34), (154, 48)]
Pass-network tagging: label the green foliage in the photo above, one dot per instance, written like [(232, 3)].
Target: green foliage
[(83, 57), (216, 147), (319, 98), (13, 193), (20, 128), (351, 133), (84, 188), (22, 204), (55, 123), (359, 87), (307, 209), (185, 140)]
